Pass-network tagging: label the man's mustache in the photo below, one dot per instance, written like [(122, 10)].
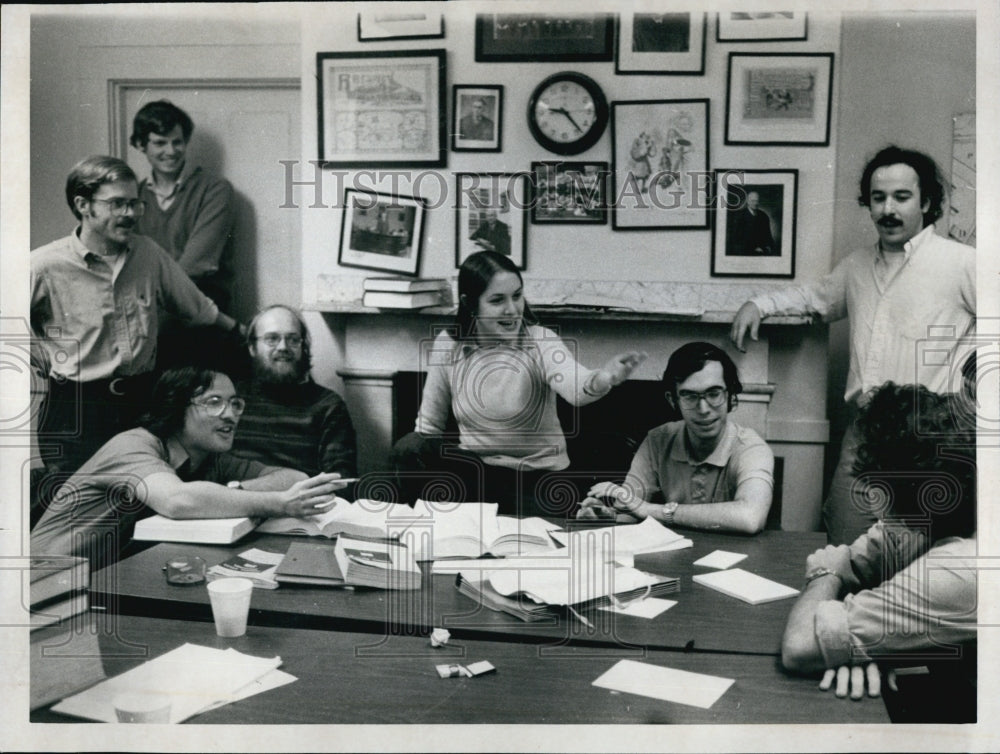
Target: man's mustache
[(890, 222)]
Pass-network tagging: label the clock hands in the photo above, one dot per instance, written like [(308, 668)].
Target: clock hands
[(564, 111)]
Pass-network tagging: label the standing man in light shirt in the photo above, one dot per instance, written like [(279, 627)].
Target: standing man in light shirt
[(910, 286), (96, 299)]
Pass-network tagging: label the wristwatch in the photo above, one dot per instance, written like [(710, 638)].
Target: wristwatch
[(818, 573), (667, 513), (235, 485)]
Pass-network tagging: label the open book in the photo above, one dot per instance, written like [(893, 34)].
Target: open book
[(363, 518), (470, 530)]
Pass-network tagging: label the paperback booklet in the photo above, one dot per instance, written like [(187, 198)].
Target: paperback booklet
[(745, 586), (363, 518), (213, 531), (405, 285), (351, 561), (55, 575), (255, 564), (59, 609)]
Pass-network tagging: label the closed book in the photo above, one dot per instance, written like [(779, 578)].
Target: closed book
[(213, 531), (745, 586), (405, 285), (255, 564), (54, 575), (362, 518), (313, 563), (59, 609), (388, 300), (63, 661), (379, 564)]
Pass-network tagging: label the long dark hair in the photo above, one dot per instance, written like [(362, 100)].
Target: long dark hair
[(474, 278), (172, 395)]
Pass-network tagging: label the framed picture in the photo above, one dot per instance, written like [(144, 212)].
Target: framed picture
[(478, 118), (539, 37), (743, 26), (374, 25), (381, 232), (489, 214), (782, 99), (659, 151), (569, 192), (381, 109), (661, 43), (754, 230)]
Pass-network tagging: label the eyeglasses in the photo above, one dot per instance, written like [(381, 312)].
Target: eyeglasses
[(272, 339), (714, 397), (215, 405), (119, 205)]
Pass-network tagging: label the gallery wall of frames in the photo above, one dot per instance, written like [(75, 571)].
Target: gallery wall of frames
[(598, 143)]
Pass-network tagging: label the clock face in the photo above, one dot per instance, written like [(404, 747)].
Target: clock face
[(567, 113)]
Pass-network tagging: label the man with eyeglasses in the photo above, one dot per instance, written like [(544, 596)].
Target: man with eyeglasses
[(175, 463), (290, 420), (703, 472), (96, 301)]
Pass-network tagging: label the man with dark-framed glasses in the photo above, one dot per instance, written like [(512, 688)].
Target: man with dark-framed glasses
[(175, 463), (291, 420), (97, 297), (704, 471)]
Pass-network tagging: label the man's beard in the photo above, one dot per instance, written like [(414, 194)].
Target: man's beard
[(267, 374)]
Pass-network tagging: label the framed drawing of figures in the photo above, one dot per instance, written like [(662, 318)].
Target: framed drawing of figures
[(381, 109), (660, 164), (569, 192), (489, 214), (754, 230), (381, 232), (477, 115), (779, 99)]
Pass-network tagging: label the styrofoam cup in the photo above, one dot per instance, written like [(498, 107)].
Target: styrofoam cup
[(230, 605)]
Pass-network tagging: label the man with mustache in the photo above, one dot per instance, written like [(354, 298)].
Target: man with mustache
[(96, 301), (911, 286), (289, 419)]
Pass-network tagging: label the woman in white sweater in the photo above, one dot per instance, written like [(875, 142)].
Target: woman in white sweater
[(497, 372)]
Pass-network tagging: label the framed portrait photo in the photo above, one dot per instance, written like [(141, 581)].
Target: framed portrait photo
[(477, 114), (490, 215), (573, 193), (381, 232), (401, 23), (660, 160), (781, 99), (766, 26), (754, 229), (661, 43), (539, 37), (381, 109)]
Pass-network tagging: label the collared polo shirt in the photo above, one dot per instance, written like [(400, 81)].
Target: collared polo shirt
[(664, 471)]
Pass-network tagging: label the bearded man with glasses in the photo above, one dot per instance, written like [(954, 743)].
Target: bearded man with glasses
[(175, 463), (702, 472), (97, 298), (290, 420)]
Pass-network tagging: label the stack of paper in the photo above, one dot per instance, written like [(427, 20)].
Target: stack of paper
[(745, 586), (195, 678), (632, 539)]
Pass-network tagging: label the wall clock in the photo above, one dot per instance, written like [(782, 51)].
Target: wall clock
[(567, 113)]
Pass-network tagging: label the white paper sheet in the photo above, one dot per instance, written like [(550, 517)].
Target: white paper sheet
[(194, 677), (648, 536), (668, 684), (720, 559), (647, 608)]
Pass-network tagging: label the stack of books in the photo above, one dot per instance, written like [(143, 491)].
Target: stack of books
[(351, 561), (65, 653), (406, 293)]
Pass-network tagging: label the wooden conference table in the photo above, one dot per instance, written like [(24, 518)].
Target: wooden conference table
[(702, 620), (346, 677)]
